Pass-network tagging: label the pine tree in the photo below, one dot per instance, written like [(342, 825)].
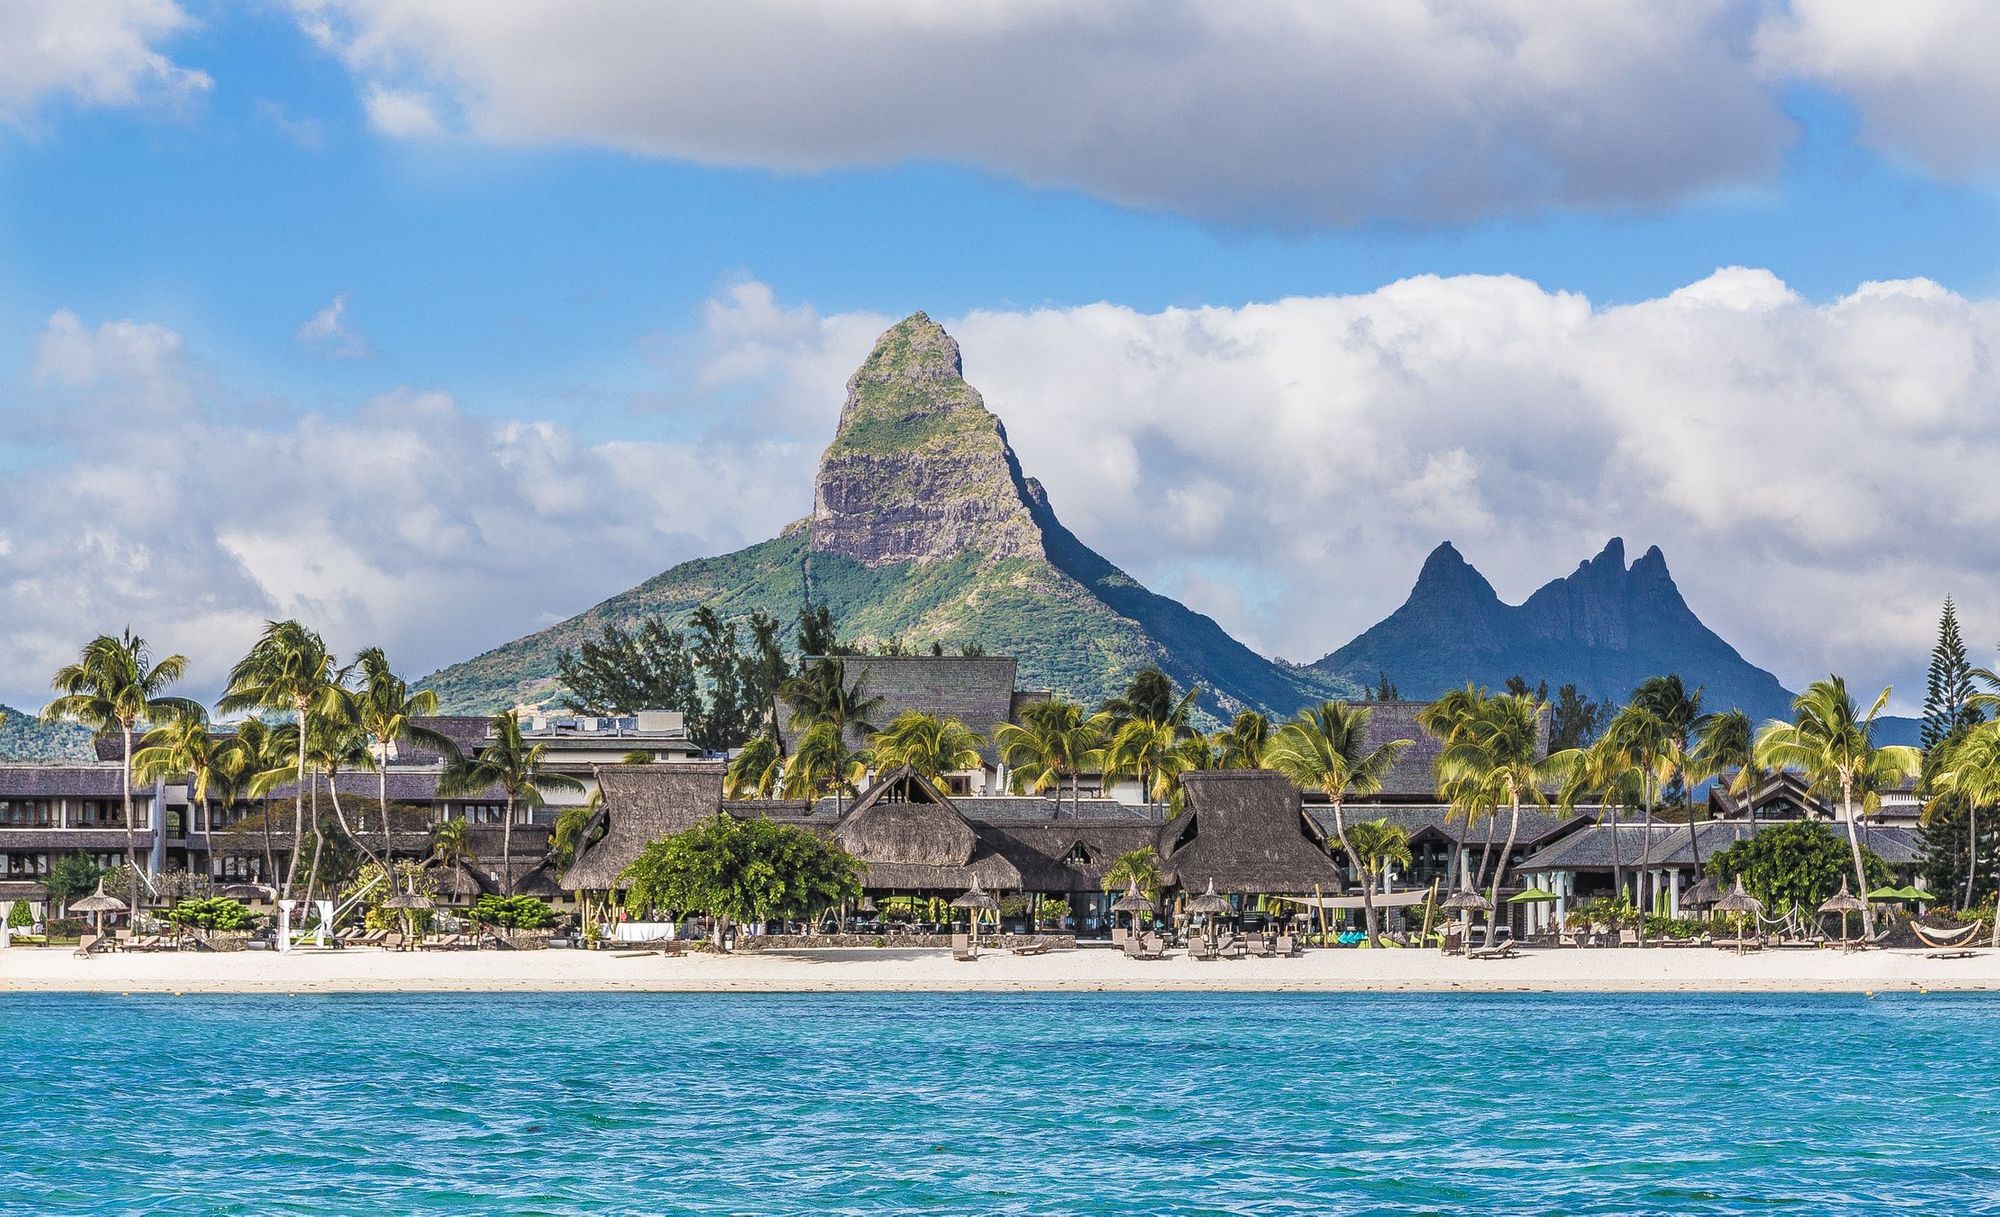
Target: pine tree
[(1948, 707)]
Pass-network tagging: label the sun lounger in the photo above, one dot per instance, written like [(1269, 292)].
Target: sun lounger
[(1230, 947), (1504, 951), (1258, 948), (1286, 947), (95, 944), (961, 948), (1040, 946)]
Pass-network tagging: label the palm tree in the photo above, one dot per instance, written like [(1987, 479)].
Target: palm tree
[(1969, 768), (1141, 867), (1496, 751), (821, 694), (1054, 741), (1149, 751), (387, 712), (1725, 744), (184, 748), (930, 744), (451, 846), (289, 670), (1326, 749), (114, 686), (756, 769), (1377, 845), (1241, 745), (250, 762), (1149, 696), (1833, 747), (823, 762), (337, 743), (509, 762), (1442, 719)]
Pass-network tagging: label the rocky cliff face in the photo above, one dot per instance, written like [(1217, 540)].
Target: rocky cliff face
[(925, 530), (919, 470), (1605, 627)]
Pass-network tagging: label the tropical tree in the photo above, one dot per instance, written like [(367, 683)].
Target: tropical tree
[(253, 760), (741, 871), (1241, 745), (1141, 867), (823, 763), (1326, 749), (1794, 865), (1150, 696), (1377, 845), (1151, 752), (756, 770), (451, 849), (821, 694), (1833, 747), (337, 744), (1054, 741), (1496, 755), (184, 748), (1442, 719), (114, 686), (290, 670), (385, 709), (1967, 771), (521, 772), (928, 743)]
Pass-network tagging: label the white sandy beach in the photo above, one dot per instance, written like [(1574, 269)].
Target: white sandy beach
[(1085, 970)]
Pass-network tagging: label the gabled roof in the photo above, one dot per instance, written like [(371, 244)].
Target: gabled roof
[(643, 803), (1243, 829), (68, 782), (977, 690), (903, 819), (1414, 776), (1538, 827)]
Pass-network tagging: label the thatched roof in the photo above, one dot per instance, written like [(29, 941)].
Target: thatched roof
[(1243, 831), (69, 782), (1538, 828), (904, 819), (1414, 777), (643, 803), (977, 690), (1667, 847)]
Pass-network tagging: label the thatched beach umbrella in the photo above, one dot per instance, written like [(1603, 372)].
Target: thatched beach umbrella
[(1133, 902), (1211, 905), (975, 902), (1844, 902), (98, 903), (1702, 895), (407, 903), (1739, 901), (1465, 902)]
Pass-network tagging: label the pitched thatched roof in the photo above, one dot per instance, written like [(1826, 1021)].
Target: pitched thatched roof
[(1537, 827), (1243, 829), (68, 782), (904, 819), (1414, 777), (977, 690), (643, 803)]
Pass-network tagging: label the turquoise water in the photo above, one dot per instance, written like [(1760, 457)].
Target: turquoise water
[(980, 1104)]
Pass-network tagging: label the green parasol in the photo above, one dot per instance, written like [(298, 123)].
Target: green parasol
[(1533, 895), (1887, 893)]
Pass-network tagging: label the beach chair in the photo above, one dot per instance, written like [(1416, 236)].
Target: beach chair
[(1286, 946), (1040, 946), (1505, 950), (961, 948), (1258, 947), (95, 944), (1230, 947), (1628, 938)]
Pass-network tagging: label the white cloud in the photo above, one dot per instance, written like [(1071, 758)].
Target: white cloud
[(307, 133), (1819, 473), (1921, 75), (329, 331), (1295, 112), (401, 113), (93, 52), (151, 498)]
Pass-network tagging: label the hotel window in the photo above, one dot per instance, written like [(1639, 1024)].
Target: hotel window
[(1078, 855), (484, 813), (105, 813), (27, 813), (106, 859), (26, 866), (237, 868)]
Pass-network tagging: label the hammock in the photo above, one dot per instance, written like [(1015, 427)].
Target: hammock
[(1957, 936)]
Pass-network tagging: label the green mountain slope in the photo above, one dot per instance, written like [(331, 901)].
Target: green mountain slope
[(24, 737), (924, 529)]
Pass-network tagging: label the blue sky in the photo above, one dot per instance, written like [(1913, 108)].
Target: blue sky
[(575, 251)]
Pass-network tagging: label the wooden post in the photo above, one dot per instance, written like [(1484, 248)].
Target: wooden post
[(1429, 904), (1319, 908)]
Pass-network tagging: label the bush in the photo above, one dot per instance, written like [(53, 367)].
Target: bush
[(21, 917), (212, 913), (513, 912)]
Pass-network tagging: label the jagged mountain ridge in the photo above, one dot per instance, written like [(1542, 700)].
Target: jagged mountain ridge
[(1604, 627), (924, 528), (25, 737)]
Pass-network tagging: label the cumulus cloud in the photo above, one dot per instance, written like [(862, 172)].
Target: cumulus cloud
[(1819, 474), (148, 496), (1287, 113), (330, 332), (101, 53), (1920, 75)]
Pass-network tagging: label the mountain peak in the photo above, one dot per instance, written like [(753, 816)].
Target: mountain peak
[(1446, 575), (919, 469)]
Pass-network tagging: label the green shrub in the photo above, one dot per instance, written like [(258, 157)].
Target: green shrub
[(513, 912), (212, 913), (21, 917)]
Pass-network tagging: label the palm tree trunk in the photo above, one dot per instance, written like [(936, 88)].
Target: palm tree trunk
[(298, 811), (1486, 850), (1500, 870), (1641, 880), (1617, 856), (131, 834), (382, 789), (1367, 895), (340, 817), (507, 847), (1971, 850), (1860, 870)]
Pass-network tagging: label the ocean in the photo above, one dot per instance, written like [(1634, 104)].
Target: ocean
[(1104, 1103)]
